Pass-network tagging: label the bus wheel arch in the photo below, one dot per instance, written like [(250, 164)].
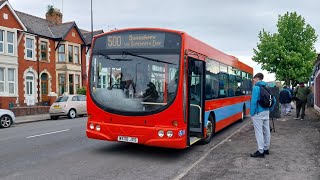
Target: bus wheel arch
[(210, 128)]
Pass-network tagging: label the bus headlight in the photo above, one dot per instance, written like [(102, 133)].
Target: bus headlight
[(169, 134), (160, 133), (98, 127), (91, 126)]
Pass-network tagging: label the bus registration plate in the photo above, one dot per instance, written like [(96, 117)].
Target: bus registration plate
[(128, 139)]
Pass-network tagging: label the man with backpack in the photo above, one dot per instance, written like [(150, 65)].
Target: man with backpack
[(285, 98), (261, 102)]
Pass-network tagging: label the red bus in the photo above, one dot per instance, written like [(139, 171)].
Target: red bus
[(164, 88)]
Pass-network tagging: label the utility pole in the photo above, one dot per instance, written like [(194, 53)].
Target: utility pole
[(91, 22)]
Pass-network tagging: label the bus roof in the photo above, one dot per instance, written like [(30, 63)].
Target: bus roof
[(197, 46)]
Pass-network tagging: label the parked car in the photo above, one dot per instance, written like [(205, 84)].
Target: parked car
[(69, 105), (7, 118)]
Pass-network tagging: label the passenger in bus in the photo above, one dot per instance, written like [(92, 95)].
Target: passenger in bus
[(151, 94), (238, 92)]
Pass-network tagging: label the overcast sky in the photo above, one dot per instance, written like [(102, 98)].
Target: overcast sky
[(231, 26)]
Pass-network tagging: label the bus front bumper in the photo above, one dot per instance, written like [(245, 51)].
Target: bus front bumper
[(140, 134)]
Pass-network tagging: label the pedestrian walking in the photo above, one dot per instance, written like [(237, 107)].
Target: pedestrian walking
[(285, 98), (301, 93), (260, 115)]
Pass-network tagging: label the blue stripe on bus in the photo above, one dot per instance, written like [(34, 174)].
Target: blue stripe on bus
[(227, 111)]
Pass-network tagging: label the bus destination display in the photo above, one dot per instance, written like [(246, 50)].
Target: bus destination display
[(135, 40)]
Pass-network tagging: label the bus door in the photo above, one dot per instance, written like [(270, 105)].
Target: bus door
[(196, 99)]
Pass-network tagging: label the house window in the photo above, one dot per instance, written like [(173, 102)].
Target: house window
[(1, 41), (70, 53), (10, 44), (61, 51), (11, 81), (77, 82), (44, 51), (62, 83), (29, 48), (71, 83), (1, 79), (76, 54)]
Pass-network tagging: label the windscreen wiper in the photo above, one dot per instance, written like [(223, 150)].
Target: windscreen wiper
[(147, 58), (113, 59)]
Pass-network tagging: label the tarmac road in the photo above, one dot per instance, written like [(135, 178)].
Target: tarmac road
[(59, 149)]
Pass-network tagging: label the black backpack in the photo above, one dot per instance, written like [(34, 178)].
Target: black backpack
[(266, 98)]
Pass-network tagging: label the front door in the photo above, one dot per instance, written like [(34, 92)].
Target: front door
[(30, 89), (44, 88), (196, 99)]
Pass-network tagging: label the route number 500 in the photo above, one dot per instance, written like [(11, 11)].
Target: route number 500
[(114, 41)]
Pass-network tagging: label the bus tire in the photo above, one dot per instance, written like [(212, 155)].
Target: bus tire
[(210, 129), (243, 114)]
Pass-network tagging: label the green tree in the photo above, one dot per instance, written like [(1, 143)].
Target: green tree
[(82, 90), (290, 52)]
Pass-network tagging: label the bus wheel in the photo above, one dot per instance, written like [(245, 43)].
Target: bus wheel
[(210, 129), (243, 115)]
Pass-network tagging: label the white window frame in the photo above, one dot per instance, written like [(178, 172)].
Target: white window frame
[(76, 56), (2, 42), (4, 79), (64, 52), (12, 81), (30, 49), (9, 43), (33, 48), (46, 50)]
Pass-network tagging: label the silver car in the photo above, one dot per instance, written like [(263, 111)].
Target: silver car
[(69, 105), (7, 118)]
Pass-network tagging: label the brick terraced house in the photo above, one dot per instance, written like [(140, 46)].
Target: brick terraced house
[(38, 57), (11, 32)]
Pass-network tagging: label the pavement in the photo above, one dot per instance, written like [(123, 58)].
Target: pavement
[(294, 153), (32, 118)]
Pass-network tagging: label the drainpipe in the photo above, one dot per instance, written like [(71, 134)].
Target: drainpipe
[(38, 69)]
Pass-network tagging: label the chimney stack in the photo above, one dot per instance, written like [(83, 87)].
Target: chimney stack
[(54, 15)]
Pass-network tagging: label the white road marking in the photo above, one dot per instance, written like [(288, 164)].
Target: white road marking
[(47, 133), (181, 175)]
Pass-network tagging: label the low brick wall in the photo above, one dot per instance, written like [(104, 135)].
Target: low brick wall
[(30, 110)]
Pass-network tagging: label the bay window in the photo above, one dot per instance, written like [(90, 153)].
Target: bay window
[(10, 42), (61, 52), (1, 41)]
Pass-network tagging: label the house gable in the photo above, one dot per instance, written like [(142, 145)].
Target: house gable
[(8, 17), (74, 36)]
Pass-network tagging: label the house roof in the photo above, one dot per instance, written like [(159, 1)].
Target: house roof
[(36, 25), (61, 30), (3, 3), (87, 35), (43, 27)]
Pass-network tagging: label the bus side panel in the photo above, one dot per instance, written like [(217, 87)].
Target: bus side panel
[(227, 110)]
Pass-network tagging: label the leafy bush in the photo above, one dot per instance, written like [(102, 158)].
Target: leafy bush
[(82, 90)]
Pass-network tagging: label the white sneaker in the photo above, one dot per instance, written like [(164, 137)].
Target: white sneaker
[(296, 118), (301, 119)]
